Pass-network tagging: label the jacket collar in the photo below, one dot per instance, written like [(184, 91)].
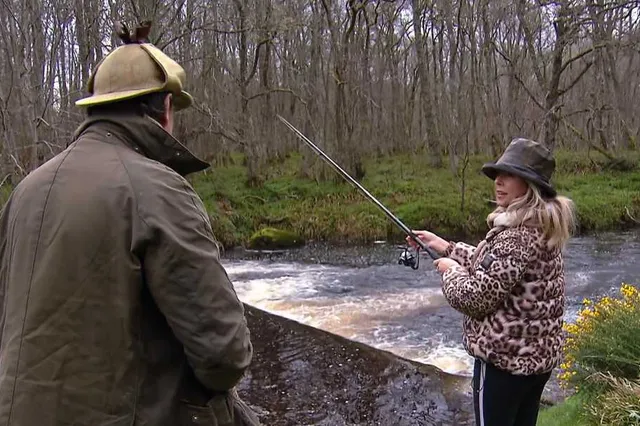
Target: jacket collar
[(507, 219), (146, 135)]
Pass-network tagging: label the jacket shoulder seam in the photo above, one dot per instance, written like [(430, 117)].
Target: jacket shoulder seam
[(131, 184), (135, 200)]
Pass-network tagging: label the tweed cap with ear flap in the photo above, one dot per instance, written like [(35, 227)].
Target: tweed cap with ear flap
[(137, 68), (528, 159)]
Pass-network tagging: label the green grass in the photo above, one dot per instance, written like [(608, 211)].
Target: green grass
[(422, 197), (334, 210), (567, 413)]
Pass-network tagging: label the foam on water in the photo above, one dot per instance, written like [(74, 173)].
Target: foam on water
[(403, 311), (454, 360), (317, 296)]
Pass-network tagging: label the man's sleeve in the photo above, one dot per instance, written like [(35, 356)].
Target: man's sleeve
[(191, 288)]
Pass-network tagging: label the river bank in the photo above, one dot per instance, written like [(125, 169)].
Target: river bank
[(422, 197)]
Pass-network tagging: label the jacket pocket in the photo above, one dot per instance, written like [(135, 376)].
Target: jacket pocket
[(221, 410), (192, 415), (217, 412)]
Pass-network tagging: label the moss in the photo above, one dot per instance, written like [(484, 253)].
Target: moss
[(273, 238)]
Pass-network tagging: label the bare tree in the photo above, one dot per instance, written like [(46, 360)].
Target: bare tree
[(361, 77)]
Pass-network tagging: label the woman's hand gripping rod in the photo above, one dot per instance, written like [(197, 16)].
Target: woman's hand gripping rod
[(406, 258)]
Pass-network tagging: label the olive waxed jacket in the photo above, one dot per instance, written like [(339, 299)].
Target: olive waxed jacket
[(114, 307)]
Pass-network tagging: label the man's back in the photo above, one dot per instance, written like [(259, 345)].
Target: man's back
[(114, 304)]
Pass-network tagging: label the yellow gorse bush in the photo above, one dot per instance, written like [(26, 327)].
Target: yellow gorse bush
[(602, 358), (604, 338)]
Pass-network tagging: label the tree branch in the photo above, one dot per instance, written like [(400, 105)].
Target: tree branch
[(576, 80), (256, 57), (583, 138), (5, 179), (526, 89), (517, 77), (203, 109), (528, 41), (582, 54), (277, 90)]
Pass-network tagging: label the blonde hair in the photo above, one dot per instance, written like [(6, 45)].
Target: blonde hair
[(556, 216)]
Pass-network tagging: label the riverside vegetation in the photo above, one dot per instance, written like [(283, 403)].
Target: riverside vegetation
[(607, 198), (602, 364), (422, 197)]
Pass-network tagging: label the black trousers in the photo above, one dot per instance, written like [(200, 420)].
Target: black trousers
[(504, 399)]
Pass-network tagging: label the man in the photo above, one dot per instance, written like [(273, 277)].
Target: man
[(114, 307)]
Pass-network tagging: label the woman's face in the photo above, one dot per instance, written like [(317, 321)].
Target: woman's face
[(508, 188)]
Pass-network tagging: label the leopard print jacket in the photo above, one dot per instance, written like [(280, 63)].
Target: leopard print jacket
[(511, 290)]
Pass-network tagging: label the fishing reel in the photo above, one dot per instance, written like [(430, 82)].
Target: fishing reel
[(407, 258)]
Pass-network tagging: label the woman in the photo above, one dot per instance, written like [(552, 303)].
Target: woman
[(511, 286)]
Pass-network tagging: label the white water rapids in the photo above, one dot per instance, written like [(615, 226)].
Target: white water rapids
[(394, 308)]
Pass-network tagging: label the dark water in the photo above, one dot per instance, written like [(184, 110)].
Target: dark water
[(361, 293), (302, 376)]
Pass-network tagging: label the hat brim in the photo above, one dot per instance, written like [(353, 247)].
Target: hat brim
[(492, 170), (181, 100)]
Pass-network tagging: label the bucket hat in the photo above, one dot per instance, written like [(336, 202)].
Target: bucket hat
[(530, 160), (134, 69)]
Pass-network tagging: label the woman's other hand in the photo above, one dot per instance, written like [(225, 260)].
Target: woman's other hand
[(444, 263)]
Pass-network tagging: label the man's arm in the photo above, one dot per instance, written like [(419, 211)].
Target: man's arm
[(191, 288)]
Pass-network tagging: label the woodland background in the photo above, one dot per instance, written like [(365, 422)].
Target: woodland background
[(410, 96), (360, 77)]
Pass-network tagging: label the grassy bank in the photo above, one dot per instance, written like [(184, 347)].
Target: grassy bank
[(568, 413), (420, 196)]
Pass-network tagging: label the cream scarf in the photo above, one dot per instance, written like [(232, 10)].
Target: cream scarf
[(506, 219)]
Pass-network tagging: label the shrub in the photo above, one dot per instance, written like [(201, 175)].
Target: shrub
[(619, 405), (602, 358), (604, 338)]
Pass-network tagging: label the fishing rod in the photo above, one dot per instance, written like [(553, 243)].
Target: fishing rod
[(406, 258)]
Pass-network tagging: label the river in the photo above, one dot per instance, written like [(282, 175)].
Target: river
[(361, 293)]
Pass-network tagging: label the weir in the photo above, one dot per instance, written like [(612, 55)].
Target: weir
[(301, 375)]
